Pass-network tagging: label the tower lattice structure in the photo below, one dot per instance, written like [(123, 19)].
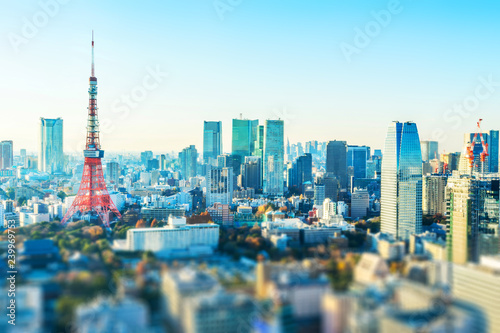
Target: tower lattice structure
[(93, 197)]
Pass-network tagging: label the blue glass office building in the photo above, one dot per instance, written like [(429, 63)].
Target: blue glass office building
[(51, 157), (274, 154), (401, 184)]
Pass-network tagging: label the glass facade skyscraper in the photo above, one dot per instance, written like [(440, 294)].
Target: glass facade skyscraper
[(188, 160), (244, 136), (356, 158), (274, 151), (401, 184), (212, 141), (493, 150), (336, 161), (429, 149), (51, 156), (6, 154)]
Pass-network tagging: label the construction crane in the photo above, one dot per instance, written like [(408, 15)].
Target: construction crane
[(472, 144)]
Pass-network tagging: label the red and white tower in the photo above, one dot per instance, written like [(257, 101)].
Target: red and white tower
[(93, 197)]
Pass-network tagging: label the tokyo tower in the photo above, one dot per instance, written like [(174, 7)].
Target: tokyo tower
[(93, 198)]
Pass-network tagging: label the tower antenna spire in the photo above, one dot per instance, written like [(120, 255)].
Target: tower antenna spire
[(92, 70)]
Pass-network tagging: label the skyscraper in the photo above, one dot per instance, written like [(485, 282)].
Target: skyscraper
[(401, 192), (433, 194), (251, 173), (51, 156), (356, 158), (212, 141), (274, 150), (429, 149), (219, 185), (6, 154), (112, 172), (244, 136), (188, 160), (336, 161), (493, 150)]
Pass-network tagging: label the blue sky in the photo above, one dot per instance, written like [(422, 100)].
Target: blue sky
[(262, 58)]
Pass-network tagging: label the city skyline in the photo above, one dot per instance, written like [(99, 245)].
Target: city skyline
[(296, 90)]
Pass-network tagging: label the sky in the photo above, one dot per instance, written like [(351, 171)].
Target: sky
[(333, 70)]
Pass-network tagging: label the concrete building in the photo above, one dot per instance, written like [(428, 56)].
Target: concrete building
[(480, 285), (360, 203), (174, 238), (179, 286), (221, 214), (433, 195), (104, 315), (219, 185), (219, 312)]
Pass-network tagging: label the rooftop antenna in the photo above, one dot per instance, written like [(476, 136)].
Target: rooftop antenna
[(92, 70)]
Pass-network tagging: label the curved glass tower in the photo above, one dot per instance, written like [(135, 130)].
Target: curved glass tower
[(401, 197)]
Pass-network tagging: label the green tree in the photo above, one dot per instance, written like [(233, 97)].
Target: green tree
[(62, 195), (22, 201), (11, 193)]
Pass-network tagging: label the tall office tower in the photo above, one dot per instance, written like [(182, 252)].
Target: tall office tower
[(336, 161), (401, 183), (112, 172), (251, 173), (219, 185), (212, 141), (93, 199), (429, 149), (259, 142), (433, 195), (319, 194), (244, 136), (51, 156), (188, 160), (274, 150), (493, 150), (356, 158), (163, 162), (332, 186), (473, 203), (302, 170), (463, 232), (146, 156), (6, 154), (23, 156)]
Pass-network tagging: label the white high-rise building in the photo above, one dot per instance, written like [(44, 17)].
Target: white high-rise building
[(433, 194), (219, 185), (401, 184), (360, 202), (329, 208)]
